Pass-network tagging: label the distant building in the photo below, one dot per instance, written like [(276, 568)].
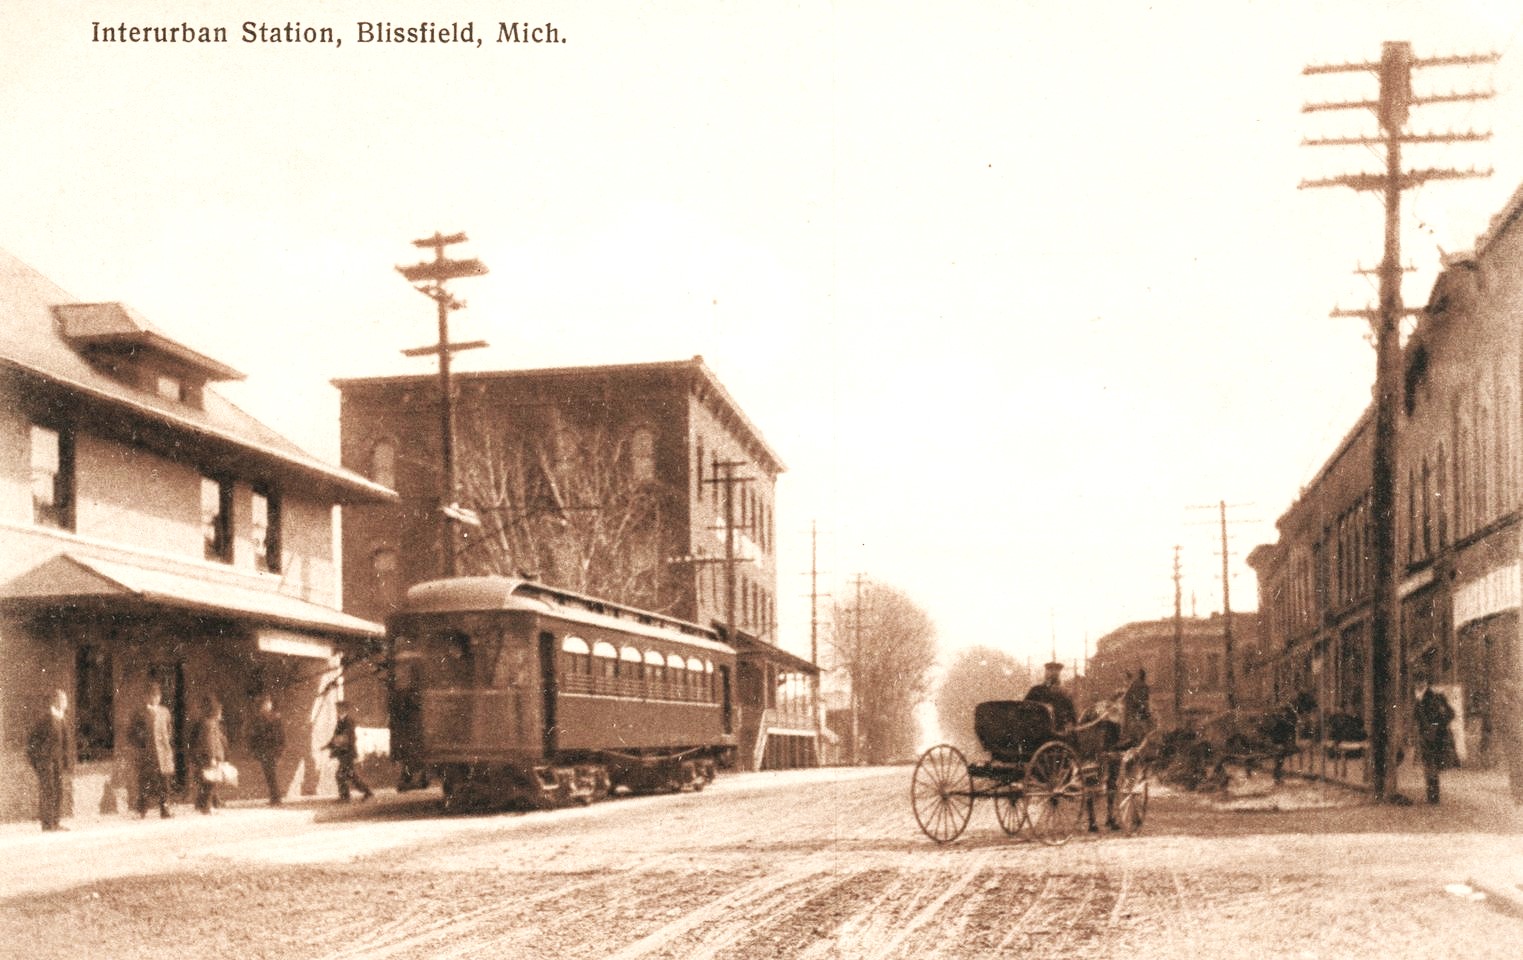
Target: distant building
[(642, 483), (1149, 645), (151, 533), (1315, 584)]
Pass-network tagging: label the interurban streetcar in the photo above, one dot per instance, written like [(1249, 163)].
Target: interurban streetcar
[(514, 691)]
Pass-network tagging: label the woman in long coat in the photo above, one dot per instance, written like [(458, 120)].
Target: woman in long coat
[(150, 735)]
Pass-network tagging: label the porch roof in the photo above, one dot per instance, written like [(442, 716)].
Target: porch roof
[(69, 580)]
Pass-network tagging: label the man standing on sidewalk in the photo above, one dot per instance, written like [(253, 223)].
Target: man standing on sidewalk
[(346, 751), (267, 737), (1435, 742), (149, 735), (50, 750)]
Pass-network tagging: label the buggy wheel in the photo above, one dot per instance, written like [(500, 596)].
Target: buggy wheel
[(941, 793), (1132, 796), (1010, 810), (1053, 788)]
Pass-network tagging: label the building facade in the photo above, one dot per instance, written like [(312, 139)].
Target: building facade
[(152, 534), (642, 483), (1149, 645), (1459, 440)]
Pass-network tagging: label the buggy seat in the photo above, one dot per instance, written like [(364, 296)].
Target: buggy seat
[(1011, 730)]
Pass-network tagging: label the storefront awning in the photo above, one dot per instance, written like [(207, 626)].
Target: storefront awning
[(68, 580)]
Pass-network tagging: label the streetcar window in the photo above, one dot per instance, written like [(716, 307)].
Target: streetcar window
[(576, 657), (630, 663), (655, 666), (695, 678), (456, 660), (606, 659), (676, 673)]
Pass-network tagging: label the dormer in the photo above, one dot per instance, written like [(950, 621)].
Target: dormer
[(122, 345)]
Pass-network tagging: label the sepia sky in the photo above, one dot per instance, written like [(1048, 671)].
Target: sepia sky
[(1010, 286)]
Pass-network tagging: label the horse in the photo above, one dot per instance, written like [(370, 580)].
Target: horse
[(1107, 729), (1248, 735)]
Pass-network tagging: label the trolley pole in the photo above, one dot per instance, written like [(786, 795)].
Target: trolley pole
[(428, 279), (1179, 646)]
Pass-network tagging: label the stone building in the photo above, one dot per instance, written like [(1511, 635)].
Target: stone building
[(642, 483), (153, 533)]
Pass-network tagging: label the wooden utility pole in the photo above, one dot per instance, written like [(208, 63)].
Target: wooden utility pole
[(856, 667), (1391, 109), (1229, 654), (428, 279), (1179, 646), (1229, 676)]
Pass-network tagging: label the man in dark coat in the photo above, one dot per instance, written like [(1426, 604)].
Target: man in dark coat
[(267, 738), (50, 750), (1435, 743), (1050, 693), (346, 751), (150, 734)]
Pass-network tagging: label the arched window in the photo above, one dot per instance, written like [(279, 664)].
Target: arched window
[(695, 678), (605, 659), (631, 663), (655, 666), (383, 463), (576, 657), (676, 675)]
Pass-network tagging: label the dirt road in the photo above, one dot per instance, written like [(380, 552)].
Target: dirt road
[(819, 864)]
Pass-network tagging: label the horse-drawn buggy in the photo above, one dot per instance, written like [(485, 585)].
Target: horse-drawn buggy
[(1040, 779)]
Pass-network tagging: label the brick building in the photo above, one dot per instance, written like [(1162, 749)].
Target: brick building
[(153, 533), (1459, 438), (1149, 645), (643, 483)]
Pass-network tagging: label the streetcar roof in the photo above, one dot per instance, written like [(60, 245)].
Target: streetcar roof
[(478, 594)]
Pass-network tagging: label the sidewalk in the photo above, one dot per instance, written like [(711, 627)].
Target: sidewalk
[(1483, 799)]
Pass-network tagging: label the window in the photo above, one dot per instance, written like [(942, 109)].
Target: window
[(264, 530), (52, 477), (655, 667), (170, 388), (642, 455), (383, 463), (631, 663), (93, 694), (576, 657), (217, 519), (605, 659)]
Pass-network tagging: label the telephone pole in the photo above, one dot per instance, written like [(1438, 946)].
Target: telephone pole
[(856, 666), (1391, 109), (428, 278), (1229, 675), (1179, 646)]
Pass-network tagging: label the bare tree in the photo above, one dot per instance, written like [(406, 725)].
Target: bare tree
[(886, 647), (976, 674), (576, 506)]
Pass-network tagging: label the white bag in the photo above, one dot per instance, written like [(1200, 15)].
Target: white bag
[(223, 772)]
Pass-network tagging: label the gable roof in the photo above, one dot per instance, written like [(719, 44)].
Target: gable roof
[(33, 346)]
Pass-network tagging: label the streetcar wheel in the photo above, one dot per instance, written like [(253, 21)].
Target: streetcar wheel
[(1132, 798), (1053, 788), (1010, 810), (941, 793)]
